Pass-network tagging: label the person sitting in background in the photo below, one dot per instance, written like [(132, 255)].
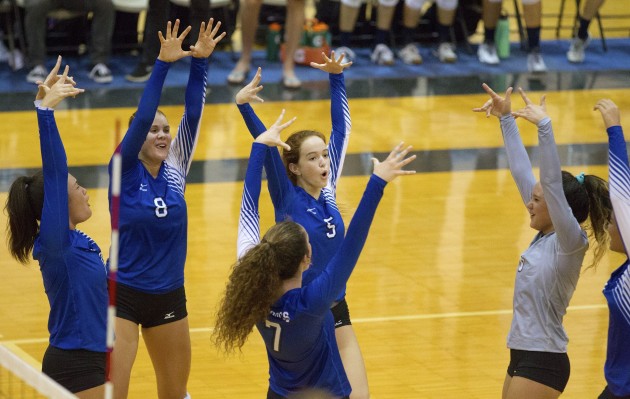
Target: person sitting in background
[(409, 54), (157, 18), (532, 10), (581, 39), (103, 19)]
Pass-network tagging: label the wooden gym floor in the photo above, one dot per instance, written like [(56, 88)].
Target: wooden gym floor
[(431, 296)]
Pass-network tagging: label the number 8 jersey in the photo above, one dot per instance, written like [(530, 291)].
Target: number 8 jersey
[(153, 215)]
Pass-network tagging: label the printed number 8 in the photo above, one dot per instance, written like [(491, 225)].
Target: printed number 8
[(161, 210)]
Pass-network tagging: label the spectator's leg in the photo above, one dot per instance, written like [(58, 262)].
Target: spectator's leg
[(293, 33), (36, 12), (200, 12), (157, 18), (250, 10)]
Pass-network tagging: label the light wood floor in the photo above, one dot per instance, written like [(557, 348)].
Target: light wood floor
[(431, 296)]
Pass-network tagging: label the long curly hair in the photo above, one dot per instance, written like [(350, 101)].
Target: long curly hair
[(295, 141), (24, 209), (590, 203), (255, 283)]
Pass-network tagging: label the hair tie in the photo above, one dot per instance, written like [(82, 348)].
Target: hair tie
[(580, 178)]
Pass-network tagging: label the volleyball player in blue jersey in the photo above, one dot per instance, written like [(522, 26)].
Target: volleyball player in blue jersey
[(153, 222), (617, 289), (74, 274), (303, 184), (266, 287), (549, 269)]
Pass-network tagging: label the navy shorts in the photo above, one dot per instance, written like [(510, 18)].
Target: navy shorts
[(272, 395), (547, 368), (341, 313), (75, 370), (606, 394), (150, 310)]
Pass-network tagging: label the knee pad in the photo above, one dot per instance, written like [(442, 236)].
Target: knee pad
[(351, 3), (529, 2), (447, 4), (415, 4), (387, 3)]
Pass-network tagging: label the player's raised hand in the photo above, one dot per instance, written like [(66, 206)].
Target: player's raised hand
[(271, 137), (60, 90), (208, 39), (496, 105), (392, 166), (332, 65), (171, 45), (249, 93)]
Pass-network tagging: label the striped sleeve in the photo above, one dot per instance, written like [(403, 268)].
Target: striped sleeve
[(249, 219), (341, 128), (619, 182), (184, 143), (280, 187)]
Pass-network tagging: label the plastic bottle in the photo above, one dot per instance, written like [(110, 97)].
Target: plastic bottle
[(502, 36), (320, 32), (273, 41)]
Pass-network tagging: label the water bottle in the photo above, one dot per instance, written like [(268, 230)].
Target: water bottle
[(273, 41), (502, 36)]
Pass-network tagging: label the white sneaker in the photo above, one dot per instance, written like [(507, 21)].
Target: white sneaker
[(350, 56), (535, 62), (37, 74), (101, 73), (446, 52), (576, 51), (487, 54), (410, 54), (382, 55)]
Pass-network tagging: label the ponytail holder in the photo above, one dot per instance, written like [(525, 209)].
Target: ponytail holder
[(580, 178)]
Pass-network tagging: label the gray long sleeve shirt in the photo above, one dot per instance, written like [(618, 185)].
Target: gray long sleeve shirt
[(549, 269)]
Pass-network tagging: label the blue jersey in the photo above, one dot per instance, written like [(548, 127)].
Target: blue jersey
[(319, 216), (617, 289), (299, 332), (72, 267), (153, 215)]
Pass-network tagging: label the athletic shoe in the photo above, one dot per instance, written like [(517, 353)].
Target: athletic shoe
[(382, 55), (535, 62), (576, 51), (37, 74), (140, 74), (350, 56), (487, 54), (101, 73), (446, 52), (410, 54)]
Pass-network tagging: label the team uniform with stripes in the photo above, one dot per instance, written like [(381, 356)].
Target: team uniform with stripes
[(617, 289), (299, 333)]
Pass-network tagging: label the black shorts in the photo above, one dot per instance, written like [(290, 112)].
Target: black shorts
[(150, 310), (272, 395), (341, 313), (75, 370), (548, 368), (606, 394)]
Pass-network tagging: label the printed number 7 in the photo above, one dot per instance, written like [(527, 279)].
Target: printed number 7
[(276, 335)]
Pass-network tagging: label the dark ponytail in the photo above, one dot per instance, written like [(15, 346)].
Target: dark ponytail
[(589, 198), (24, 208), (256, 283)]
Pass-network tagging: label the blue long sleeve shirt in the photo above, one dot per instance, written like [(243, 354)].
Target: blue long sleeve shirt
[(320, 217), (617, 289), (299, 332), (153, 215), (75, 279)]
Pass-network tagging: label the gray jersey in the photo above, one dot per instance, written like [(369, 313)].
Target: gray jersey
[(549, 269)]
